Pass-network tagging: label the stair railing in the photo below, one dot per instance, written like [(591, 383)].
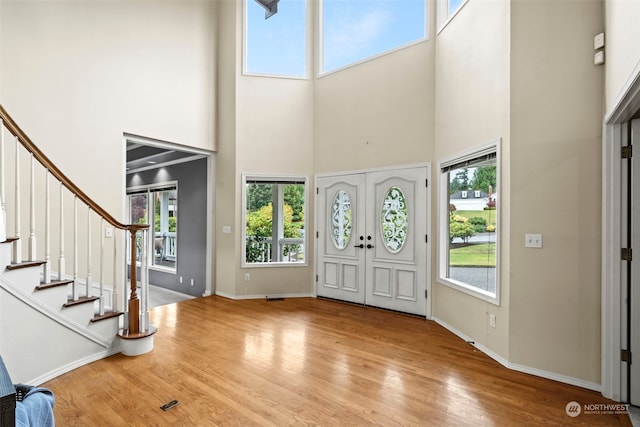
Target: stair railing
[(136, 319)]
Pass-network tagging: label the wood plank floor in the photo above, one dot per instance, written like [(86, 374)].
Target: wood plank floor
[(309, 362)]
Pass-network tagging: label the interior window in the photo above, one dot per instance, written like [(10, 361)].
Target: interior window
[(469, 235), (353, 31), (274, 219)]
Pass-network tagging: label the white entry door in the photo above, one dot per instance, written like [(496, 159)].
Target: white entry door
[(372, 242)]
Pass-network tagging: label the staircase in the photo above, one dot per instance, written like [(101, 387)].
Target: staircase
[(53, 322)]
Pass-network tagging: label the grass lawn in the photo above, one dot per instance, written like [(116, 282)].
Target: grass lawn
[(490, 216), (475, 254)]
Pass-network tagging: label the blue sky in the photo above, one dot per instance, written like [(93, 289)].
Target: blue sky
[(353, 30)]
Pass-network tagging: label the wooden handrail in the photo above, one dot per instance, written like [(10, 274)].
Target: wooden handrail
[(26, 142)]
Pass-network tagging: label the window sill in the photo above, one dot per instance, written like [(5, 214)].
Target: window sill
[(470, 290)]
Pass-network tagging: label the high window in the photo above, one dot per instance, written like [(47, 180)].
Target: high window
[(469, 226), (276, 45), (352, 31), (274, 220), (447, 10), (158, 207)]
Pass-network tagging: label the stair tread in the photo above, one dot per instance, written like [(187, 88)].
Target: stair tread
[(106, 315), (127, 335), (53, 284), (81, 300), (25, 264), (10, 239)]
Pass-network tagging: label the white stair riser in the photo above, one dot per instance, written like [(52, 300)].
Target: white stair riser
[(81, 313), (5, 255), (105, 328), (24, 278)]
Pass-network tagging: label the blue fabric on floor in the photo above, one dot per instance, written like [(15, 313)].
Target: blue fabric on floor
[(36, 409)]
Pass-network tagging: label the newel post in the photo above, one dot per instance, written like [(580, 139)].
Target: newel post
[(134, 301)]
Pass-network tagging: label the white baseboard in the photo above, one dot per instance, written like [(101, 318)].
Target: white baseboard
[(73, 365), (521, 368)]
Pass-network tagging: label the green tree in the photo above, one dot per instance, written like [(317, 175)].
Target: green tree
[(460, 181), (294, 197), (483, 177), (461, 230), (259, 226), (258, 195)]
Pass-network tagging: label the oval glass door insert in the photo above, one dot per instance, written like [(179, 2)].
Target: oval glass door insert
[(341, 220), (394, 220)]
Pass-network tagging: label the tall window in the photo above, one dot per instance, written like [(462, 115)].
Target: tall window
[(469, 225), (163, 203), (274, 219), (277, 45), (356, 30)]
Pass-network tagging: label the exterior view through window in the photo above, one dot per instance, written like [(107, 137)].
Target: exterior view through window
[(163, 202), (274, 221), (353, 31), (471, 250)]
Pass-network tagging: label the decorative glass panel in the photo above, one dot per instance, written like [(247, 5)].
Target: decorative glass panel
[(394, 220), (341, 219)]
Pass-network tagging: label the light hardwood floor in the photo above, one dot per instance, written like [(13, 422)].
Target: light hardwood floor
[(309, 362)]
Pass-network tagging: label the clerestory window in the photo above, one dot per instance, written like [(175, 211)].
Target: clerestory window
[(353, 31), (447, 9), (274, 220), (469, 227), (276, 46)]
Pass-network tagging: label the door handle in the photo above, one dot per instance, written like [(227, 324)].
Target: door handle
[(361, 246), (369, 246)]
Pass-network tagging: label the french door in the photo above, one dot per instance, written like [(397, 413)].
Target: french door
[(372, 241)]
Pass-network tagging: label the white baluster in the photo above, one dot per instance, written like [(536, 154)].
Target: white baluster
[(47, 232), (115, 303), (32, 211), (17, 245), (61, 261), (75, 293), (101, 304), (88, 251)]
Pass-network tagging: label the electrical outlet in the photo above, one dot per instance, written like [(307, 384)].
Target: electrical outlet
[(533, 241), (108, 232), (247, 277), (492, 320), (192, 282), (180, 279)]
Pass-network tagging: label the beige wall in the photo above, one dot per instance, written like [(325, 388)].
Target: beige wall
[(377, 113), (472, 108), (622, 50), (76, 75), (267, 126), (556, 136)]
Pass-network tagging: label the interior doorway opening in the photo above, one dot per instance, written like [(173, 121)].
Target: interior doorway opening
[(170, 187)]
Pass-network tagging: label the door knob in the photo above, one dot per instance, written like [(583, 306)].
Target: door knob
[(361, 246), (369, 246)]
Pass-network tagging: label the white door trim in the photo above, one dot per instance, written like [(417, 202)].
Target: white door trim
[(622, 110)]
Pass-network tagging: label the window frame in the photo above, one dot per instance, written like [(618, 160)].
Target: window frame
[(443, 15), (267, 178), (320, 72), (307, 43), (443, 222), (148, 190)]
